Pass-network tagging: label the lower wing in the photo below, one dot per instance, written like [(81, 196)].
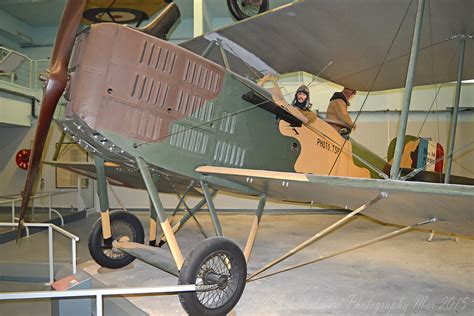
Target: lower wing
[(406, 203)]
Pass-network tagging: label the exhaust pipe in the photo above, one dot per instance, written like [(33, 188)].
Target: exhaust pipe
[(161, 25)]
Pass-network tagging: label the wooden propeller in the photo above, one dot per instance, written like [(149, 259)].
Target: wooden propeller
[(57, 81), (54, 88)]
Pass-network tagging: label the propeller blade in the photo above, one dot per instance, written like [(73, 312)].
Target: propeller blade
[(53, 90)]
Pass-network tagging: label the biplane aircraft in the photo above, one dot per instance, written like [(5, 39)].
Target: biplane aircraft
[(195, 119)]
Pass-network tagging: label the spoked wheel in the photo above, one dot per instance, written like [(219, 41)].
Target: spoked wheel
[(242, 9), (124, 226), (218, 269)]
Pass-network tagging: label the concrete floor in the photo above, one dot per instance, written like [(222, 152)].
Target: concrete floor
[(403, 275)]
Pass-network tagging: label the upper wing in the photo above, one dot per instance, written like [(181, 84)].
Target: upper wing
[(355, 36), (407, 203)]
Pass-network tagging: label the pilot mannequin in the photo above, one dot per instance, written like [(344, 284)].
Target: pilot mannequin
[(337, 110), (301, 102)]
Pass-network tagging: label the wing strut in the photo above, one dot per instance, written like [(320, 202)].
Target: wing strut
[(254, 229), (322, 233), (454, 116), (397, 156), (186, 207), (223, 54), (212, 209), (353, 247), (190, 213)]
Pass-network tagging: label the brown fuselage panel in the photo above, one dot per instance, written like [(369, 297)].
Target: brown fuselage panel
[(136, 85)]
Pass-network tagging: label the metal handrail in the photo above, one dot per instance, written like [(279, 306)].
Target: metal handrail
[(99, 293), (26, 227), (51, 228), (54, 227), (52, 210), (32, 68), (52, 193), (5, 51), (42, 195)]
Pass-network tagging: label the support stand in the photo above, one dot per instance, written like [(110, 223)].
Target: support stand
[(454, 237)]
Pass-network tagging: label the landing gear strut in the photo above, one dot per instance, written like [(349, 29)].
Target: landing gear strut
[(216, 267), (112, 226)]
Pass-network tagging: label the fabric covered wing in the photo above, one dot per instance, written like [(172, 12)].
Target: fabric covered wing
[(355, 36), (126, 176), (407, 202), (116, 175)]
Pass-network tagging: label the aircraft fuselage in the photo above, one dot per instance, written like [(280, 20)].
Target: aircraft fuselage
[(132, 94)]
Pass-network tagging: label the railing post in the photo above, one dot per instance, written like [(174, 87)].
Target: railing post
[(73, 254), (13, 212), (35, 75), (50, 255), (50, 201), (30, 79), (78, 191), (98, 305)]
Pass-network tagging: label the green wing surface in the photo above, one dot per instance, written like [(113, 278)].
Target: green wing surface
[(407, 202), (122, 175)]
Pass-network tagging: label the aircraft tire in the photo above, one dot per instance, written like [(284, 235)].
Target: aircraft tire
[(122, 224), (215, 266), (239, 14)]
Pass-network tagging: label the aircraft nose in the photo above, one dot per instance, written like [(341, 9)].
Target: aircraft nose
[(138, 86)]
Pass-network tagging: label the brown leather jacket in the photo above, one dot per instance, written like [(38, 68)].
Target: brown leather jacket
[(337, 111)]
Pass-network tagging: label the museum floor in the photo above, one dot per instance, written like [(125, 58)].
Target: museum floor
[(403, 275)]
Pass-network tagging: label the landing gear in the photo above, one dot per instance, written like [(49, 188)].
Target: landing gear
[(218, 269), (123, 226), (242, 9)]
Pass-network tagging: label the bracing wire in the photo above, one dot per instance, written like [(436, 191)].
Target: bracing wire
[(375, 80), (432, 65), (309, 85), (224, 116), (242, 110)]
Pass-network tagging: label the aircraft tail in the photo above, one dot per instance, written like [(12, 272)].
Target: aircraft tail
[(419, 152)]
